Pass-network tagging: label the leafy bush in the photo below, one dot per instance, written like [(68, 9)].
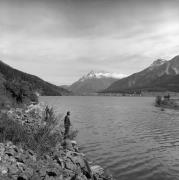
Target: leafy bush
[(158, 100), (46, 137), (42, 141), (11, 130)]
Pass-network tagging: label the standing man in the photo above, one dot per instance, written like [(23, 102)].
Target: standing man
[(67, 125)]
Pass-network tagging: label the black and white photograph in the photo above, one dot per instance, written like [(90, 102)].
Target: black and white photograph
[(89, 89)]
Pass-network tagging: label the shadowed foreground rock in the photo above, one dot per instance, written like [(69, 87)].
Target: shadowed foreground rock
[(65, 162)]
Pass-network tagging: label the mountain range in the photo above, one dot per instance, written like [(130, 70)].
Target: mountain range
[(161, 75), (94, 82), (15, 84)]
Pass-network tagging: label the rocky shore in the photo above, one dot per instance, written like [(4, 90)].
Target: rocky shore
[(29, 158), (167, 103)]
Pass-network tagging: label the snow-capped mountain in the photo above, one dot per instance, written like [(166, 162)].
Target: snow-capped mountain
[(94, 82), (99, 75), (158, 62), (162, 75)]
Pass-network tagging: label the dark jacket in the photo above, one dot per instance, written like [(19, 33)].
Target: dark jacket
[(67, 122)]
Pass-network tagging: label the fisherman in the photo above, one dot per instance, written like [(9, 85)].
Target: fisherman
[(67, 125)]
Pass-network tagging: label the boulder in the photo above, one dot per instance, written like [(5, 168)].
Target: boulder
[(70, 165), (97, 170)]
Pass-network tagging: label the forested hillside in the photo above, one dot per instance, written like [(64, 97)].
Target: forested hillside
[(20, 87)]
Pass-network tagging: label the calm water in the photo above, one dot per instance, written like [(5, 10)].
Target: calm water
[(127, 135)]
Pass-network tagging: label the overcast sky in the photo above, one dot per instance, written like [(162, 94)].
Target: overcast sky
[(60, 40)]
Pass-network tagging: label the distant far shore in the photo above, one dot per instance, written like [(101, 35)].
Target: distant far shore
[(143, 94), (172, 94)]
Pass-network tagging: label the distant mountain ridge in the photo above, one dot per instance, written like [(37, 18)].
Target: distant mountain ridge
[(7, 73), (94, 82), (161, 75), (158, 62), (99, 75)]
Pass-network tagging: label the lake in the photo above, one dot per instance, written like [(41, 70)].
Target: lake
[(129, 136)]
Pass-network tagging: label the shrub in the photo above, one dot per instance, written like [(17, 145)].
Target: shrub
[(11, 130), (42, 141), (158, 100), (46, 137)]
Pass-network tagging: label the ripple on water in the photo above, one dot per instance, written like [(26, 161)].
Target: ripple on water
[(127, 135)]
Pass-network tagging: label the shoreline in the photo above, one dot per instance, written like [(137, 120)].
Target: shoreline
[(172, 103), (64, 162)]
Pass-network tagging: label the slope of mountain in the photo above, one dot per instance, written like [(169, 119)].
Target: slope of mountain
[(64, 86), (94, 82), (9, 75), (161, 75)]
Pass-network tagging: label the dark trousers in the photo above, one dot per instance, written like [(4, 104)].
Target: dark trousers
[(67, 130)]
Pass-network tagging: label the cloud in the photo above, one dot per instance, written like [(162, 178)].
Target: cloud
[(62, 40)]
